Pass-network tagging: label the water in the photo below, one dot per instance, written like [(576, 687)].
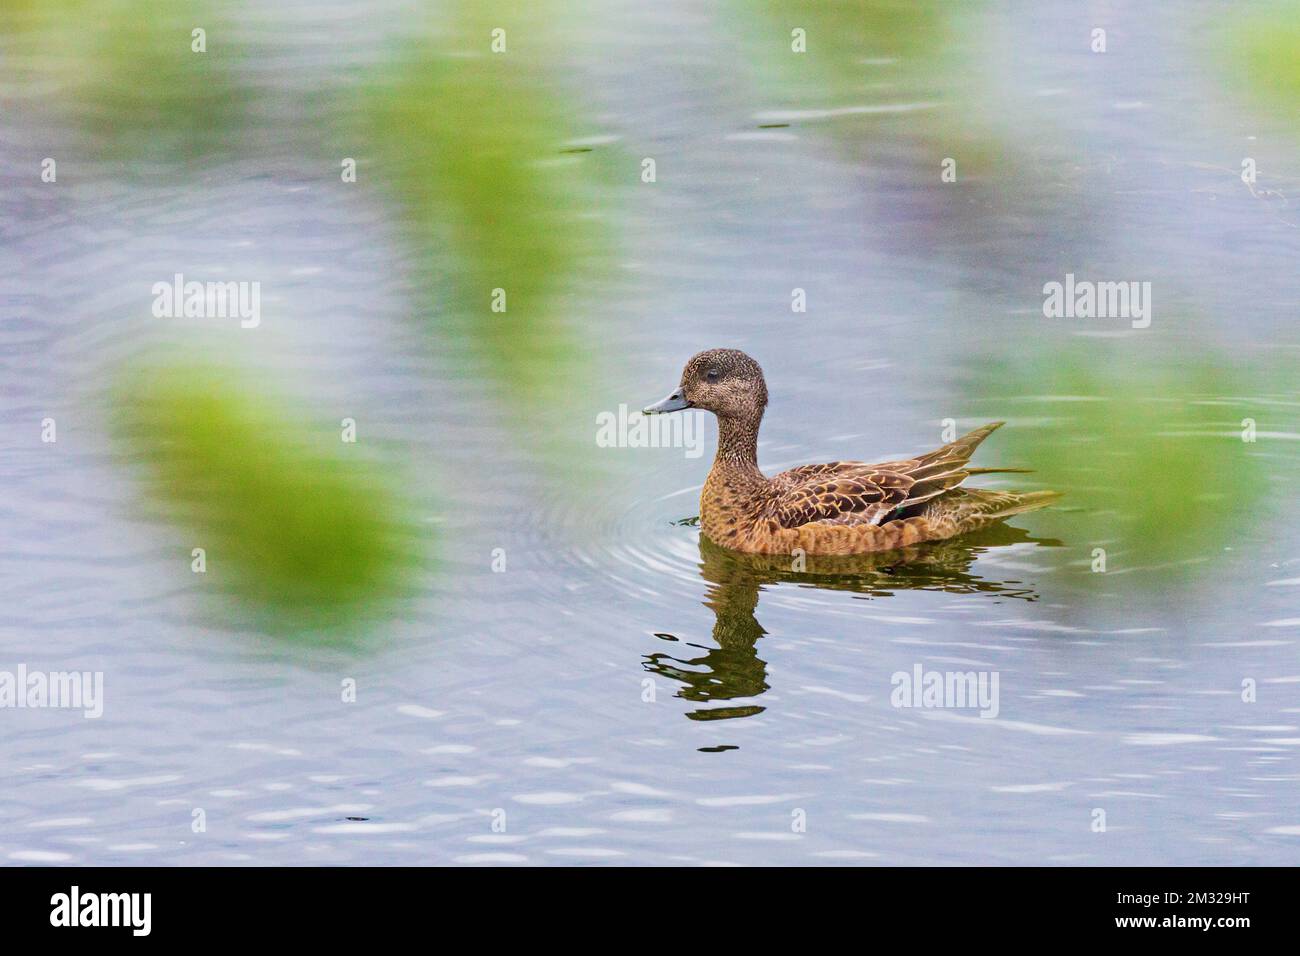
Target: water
[(506, 717)]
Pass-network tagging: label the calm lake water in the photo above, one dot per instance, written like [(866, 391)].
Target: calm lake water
[(623, 692)]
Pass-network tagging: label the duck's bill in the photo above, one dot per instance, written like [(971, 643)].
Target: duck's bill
[(673, 403)]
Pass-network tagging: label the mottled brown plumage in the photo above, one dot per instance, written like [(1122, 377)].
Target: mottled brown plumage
[(841, 507)]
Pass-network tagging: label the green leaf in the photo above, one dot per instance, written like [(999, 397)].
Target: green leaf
[(291, 518)]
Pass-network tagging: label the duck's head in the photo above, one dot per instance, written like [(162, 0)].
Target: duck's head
[(726, 382)]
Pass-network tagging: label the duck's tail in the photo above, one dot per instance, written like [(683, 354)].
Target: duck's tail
[(943, 469), (981, 507), (1010, 503), (969, 509), (962, 448)]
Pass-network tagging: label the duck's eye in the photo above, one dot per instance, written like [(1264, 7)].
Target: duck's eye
[(713, 375)]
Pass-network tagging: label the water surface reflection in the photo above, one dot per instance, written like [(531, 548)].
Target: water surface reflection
[(732, 674)]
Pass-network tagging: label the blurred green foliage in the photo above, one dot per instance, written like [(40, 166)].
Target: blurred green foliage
[(297, 525), (128, 69), (841, 35), (1262, 44), (900, 85), (470, 145), (1148, 450)]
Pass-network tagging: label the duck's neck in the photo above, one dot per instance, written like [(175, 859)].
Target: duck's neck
[(738, 447)]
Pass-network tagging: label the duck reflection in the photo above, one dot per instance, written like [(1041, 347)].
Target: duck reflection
[(733, 671)]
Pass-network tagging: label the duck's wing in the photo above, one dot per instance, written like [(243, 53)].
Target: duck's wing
[(841, 492), (854, 492)]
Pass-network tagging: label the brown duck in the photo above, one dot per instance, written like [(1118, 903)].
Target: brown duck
[(842, 507)]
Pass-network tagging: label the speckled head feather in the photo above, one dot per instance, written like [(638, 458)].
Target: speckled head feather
[(726, 382)]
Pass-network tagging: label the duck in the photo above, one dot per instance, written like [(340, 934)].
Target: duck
[(835, 508)]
